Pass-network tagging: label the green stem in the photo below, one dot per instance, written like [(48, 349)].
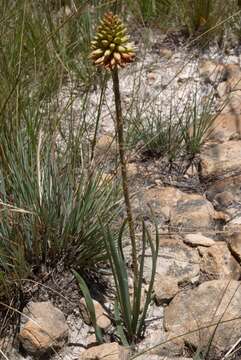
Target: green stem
[(121, 144)]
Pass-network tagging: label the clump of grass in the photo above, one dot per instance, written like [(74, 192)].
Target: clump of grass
[(50, 197), (157, 132), (59, 208), (171, 132)]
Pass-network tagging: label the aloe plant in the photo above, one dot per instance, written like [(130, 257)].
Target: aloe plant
[(112, 50)]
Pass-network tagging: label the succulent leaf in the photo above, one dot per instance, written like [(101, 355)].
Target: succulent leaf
[(110, 45)]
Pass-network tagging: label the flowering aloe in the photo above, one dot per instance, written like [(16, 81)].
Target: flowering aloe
[(110, 45), (111, 49)]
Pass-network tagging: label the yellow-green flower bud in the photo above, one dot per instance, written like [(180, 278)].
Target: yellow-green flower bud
[(107, 53), (121, 49), (118, 40), (110, 45), (105, 42)]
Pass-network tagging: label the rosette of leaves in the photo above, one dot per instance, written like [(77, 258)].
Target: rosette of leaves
[(111, 47)]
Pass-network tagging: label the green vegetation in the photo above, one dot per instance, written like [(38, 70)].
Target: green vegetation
[(110, 51), (56, 203), (51, 195), (173, 133)]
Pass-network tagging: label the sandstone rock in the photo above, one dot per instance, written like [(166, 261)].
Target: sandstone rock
[(165, 288), (211, 71), (101, 317), (225, 127), (198, 239), (175, 260), (235, 245), (179, 208), (162, 200), (221, 159), (47, 329), (218, 262), (197, 309), (110, 351), (193, 211)]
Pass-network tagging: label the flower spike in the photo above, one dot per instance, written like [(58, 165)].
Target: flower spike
[(110, 47)]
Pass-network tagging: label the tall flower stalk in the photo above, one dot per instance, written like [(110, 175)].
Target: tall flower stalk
[(112, 50)]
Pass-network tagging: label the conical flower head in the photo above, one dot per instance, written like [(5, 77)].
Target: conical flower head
[(111, 46)]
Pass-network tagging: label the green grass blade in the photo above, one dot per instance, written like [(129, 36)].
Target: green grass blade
[(138, 294), (119, 325), (121, 279), (154, 251)]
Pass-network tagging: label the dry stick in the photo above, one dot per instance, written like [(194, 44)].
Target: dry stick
[(121, 144), (231, 350), (4, 356)]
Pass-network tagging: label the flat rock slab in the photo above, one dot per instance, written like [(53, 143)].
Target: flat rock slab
[(197, 239), (44, 328), (193, 211), (221, 159), (108, 351), (198, 309), (175, 260), (179, 208), (218, 262), (163, 200)]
